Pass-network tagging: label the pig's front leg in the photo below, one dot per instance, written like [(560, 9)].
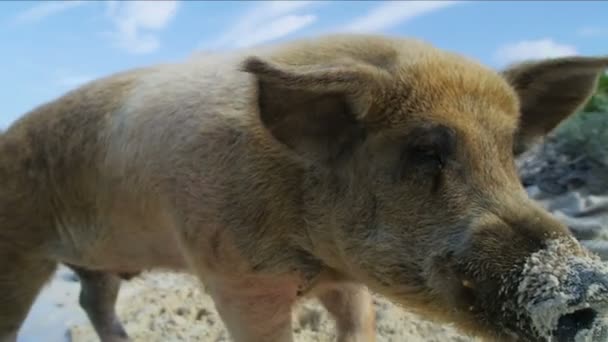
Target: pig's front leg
[(255, 310), (352, 307)]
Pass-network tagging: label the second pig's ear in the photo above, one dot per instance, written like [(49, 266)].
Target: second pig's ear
[(550, 91)]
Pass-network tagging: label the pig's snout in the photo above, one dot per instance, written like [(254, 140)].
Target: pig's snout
[(569, 325), (564, 294)]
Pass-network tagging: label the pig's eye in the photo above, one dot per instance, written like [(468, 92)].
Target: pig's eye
[(422, 160), (426, 152), (423, 165), (425, 156)]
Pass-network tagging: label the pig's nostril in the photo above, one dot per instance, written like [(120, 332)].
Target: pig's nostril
[(569, 325)]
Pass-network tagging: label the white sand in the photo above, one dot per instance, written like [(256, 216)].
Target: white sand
[(164, 307)]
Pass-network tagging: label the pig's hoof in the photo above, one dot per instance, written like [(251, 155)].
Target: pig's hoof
[(116, 338)]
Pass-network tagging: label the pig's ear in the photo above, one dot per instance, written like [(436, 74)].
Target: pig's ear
[(550, 91), (315, 110)]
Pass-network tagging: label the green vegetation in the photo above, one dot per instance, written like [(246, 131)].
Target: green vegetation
[(586, 133)]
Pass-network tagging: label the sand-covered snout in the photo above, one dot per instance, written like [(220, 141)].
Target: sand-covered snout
[(563, 294)]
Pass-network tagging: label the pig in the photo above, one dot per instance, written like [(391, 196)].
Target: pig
[(328, 167)]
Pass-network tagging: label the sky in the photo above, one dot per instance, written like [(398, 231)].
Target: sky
[(51, 47)]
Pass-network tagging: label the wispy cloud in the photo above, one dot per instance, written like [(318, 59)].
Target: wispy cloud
[(44, 10), (532, 49), (72, 81), (392, 13), (68, 77), (590, 31), (137, 23), (275, 29), (265, 22)]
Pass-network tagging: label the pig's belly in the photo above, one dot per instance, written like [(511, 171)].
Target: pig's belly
[(121, 244)]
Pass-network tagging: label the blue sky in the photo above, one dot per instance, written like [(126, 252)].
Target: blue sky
[(53, 46)]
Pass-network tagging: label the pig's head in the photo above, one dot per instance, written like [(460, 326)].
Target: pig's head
[(411, 185)]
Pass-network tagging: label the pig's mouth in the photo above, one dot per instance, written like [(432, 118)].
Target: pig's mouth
[(563, 294)]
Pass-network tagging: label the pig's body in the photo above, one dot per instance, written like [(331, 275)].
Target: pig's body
[(160, 168), (139, 176), (192, 167), (173, 178)]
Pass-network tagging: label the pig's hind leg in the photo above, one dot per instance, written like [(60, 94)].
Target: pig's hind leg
[(98, 294)]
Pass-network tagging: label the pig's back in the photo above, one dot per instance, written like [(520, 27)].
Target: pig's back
[(97, 162)]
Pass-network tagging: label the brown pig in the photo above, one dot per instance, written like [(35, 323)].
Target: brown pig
[(320, 167)]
